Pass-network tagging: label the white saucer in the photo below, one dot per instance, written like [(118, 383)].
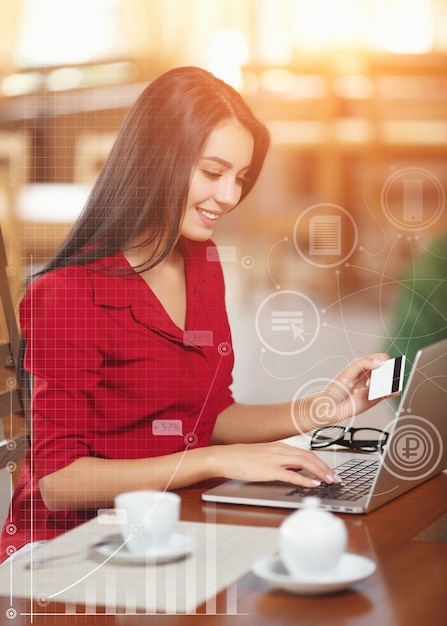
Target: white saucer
[(115, 548), (352, 569)]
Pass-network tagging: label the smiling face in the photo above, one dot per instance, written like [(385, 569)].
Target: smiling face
[(217, 179)]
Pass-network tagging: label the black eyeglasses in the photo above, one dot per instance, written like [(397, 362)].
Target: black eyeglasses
[(365, 439)]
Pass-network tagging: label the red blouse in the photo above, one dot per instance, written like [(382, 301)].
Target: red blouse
[(114, 377)]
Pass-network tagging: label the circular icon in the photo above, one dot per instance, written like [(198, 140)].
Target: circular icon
[(12, 181), (325, 235), (11, 271), (136, 530), (224, 348), (191, 439), (11, 466), (43, 599), (413, 198), (287, 322), (11, 529), (10, 550), (415, 449), (327, 404), (11, 613), (11, 444), (248, 262)]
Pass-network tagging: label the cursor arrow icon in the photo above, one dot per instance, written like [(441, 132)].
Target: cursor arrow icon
[(298, 331)]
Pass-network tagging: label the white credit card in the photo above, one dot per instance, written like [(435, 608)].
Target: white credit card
[(387, 379)]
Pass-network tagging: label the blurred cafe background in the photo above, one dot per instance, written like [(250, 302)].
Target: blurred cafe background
[(354, 94)]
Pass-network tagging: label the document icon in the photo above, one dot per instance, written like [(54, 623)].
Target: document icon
[(325, 234)]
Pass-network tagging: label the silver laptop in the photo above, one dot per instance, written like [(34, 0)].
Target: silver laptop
[(416, 450)]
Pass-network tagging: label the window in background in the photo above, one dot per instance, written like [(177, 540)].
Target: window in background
[(58, 32), (407, 27), (288, 28)]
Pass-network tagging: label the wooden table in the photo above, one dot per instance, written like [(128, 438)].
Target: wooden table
[(409, 586)]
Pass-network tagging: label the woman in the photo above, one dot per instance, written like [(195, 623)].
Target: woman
[(127, 338)]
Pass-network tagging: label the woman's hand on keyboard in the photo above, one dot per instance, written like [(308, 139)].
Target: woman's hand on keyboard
[(258, 462)]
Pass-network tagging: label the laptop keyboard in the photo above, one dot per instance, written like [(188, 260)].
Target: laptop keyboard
[(357, 475)]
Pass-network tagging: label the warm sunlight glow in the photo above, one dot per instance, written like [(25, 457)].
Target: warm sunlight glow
[(324, 24), (227, 52), (225, 35), (67, 31), (406, 27), (291, 27)]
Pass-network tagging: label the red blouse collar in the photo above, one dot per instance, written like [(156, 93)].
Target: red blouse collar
[(116, 285)]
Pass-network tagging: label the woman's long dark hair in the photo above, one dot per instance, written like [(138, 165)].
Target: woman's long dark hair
[(144, 183)]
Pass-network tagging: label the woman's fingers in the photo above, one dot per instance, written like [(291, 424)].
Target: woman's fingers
[(360, 369), (259, 462), (311, 463), (279, 461), (349, 388)]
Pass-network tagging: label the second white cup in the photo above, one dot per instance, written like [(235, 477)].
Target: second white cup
[(147, 519)]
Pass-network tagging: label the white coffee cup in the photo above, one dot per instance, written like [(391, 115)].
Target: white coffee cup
[(312, 541), (147, 519)]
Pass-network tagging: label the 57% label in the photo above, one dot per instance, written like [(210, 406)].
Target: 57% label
[(167, 427)]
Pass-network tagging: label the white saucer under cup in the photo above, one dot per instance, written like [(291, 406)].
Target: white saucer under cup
[(113, 548), (351, 570), (312, 559), (147, 520)]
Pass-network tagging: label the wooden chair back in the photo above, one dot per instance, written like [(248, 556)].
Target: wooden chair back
[(14, 392)]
